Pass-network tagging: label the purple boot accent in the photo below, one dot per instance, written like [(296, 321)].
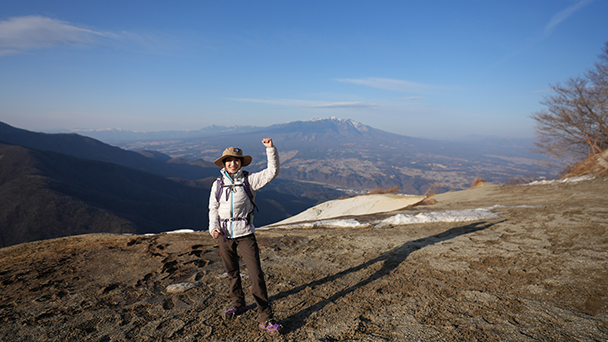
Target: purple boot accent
[(271, 326), (233, 312)]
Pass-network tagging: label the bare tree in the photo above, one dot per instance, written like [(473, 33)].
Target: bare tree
[(574, 124)]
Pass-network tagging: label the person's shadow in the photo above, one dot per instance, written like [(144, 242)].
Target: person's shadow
[(391, 259)]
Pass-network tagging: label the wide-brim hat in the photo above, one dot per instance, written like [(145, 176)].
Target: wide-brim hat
[(233, 152)]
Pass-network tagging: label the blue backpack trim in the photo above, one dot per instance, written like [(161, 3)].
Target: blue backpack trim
[(246, 186)]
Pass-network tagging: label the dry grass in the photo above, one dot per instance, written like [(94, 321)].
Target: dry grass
[(428, 201), (590, 166), (477, 182), (432, 190), (380, 191)]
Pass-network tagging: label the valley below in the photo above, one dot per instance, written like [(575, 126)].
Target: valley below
[(345, 154)]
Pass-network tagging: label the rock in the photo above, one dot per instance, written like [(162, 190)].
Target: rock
[(180, 287)]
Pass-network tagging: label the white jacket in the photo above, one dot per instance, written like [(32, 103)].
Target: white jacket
[(234, 205)]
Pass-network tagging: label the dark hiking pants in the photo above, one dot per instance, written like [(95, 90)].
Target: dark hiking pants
[(247, 247)]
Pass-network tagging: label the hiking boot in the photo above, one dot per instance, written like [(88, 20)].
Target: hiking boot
[(271, 326), (233, 312)]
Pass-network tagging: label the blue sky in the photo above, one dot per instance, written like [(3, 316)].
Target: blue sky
[(436, 69)]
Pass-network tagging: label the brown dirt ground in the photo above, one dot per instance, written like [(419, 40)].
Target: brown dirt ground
[(537, 273)]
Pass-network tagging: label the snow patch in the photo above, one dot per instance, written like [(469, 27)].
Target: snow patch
[(441, 216), (180, 231), (564, 181), (346, 223), (402, 219)]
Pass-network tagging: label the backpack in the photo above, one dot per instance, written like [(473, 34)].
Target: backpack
[(246, 186)]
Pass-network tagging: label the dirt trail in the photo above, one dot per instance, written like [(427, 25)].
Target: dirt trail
[(537, 273)]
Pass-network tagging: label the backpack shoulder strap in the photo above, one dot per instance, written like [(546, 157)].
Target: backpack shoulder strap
[(246, 185), (219, 186), (247, 188)]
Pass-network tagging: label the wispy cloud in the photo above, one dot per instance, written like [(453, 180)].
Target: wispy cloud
[(23, 34), (344, 105), (309, 104), (20, 34), (412, 98), (564, 14), (385, 83)]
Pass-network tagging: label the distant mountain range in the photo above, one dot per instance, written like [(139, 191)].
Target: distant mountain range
[(116, 135), (60, 184), (343, 153), (54, 185)]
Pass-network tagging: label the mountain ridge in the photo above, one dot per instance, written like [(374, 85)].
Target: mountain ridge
[(47, 194), (121, 136), (89, 148)]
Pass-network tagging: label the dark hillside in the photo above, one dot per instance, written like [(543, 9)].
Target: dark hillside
[(45, 194)]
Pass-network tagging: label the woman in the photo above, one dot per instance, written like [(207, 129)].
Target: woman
[(231, 209)]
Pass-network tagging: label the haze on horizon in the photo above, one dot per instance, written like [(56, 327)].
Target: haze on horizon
[(439, 69)]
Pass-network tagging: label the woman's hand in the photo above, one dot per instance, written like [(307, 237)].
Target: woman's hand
[(267, 142), (215, 233)]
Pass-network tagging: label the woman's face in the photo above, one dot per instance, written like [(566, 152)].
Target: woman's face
[(232, 164)]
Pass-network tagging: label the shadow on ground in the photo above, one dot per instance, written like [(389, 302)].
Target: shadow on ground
[(392, 259)]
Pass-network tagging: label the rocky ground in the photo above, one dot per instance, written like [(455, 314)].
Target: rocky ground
[(539, 272)]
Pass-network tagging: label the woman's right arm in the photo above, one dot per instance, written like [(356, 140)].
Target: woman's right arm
[(214, 228), (260, 179)]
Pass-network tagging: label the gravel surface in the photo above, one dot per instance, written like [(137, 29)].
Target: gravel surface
[(538, 272)]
